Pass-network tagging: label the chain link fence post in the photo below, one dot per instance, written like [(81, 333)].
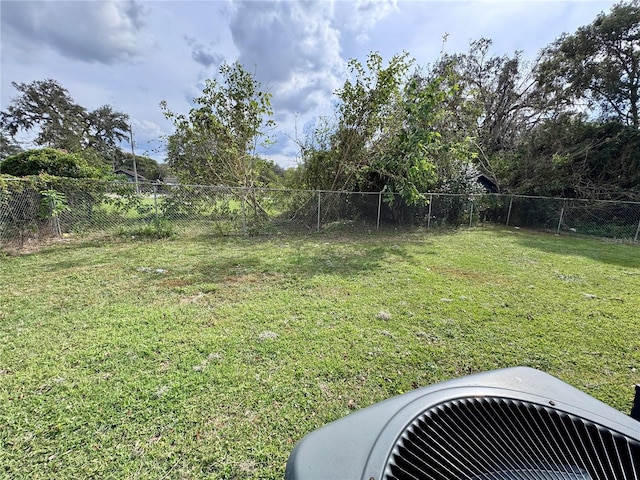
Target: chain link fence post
[(379, 209), (243, 202), (55, 219), (561, 216), (155, 201), (318, 226), (509, 212)]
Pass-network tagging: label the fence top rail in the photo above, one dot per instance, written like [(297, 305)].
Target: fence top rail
[(320, 191), (563, 199)]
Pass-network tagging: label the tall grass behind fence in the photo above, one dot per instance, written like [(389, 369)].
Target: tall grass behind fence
[(31, 211)]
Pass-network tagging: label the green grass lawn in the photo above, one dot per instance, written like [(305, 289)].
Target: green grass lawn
[(211, 357)]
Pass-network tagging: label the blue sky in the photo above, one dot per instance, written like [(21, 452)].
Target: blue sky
[(133, 54)]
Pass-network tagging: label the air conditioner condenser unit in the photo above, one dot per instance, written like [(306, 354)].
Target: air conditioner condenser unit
[(512, 424)]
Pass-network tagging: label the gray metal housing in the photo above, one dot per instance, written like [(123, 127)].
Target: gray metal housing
[(359, 445)]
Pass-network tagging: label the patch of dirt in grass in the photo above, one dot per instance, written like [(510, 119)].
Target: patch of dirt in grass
[(215, 423), (267, 335), (31, 245), (247, 466), (177, 282), (429, 338), (249, 279), (213, 357), (460, 273), (192, 298), (243, 279)]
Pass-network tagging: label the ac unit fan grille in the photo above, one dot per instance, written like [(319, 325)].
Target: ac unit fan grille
[(492, 438)]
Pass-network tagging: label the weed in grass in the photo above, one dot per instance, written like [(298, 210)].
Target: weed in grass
[(153, 230)]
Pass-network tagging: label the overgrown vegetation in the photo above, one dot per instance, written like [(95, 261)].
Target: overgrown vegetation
[(74, 142), (564, 125), (216, 143), (50, 161), (46, 108), (209, 358), (152, 230), (35, 210)]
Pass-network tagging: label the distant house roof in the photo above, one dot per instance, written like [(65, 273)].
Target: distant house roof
[(488, 184), (131, 176)]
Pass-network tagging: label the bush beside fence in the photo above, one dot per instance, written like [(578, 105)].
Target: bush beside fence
[(34, 210)]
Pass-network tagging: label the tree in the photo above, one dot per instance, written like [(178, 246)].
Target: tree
[(369, 115), (145, 166), (495, 106), (424, 155), (105, 127), (586, 145), (411, 161), (568, 157), (269, 173), (45, 104), (8, 145), (61, 123), (50, 161), (598, 66), (387, 134), (319, 162), (339, 153), (216, 142)]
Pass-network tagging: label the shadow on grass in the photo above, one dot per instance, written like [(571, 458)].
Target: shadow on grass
[(600, 250), (77, 252), (294, 256), (307, 256)]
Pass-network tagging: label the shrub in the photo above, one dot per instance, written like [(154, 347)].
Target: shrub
[(154, 230), (50, 161)]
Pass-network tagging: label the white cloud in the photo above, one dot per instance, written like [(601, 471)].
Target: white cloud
[(206, 56), (363, 15), (107, 31), (148, 129), (294, 48)]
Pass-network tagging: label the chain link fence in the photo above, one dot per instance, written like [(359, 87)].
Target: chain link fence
[(36, 210)]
